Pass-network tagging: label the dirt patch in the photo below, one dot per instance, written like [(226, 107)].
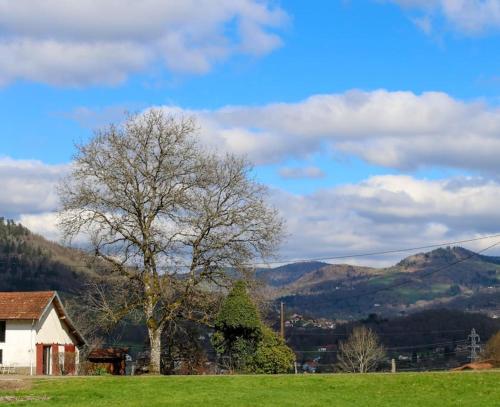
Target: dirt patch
[(14, 399), (14, 384)]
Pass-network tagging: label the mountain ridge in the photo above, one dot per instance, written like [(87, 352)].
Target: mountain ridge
[(451, 276), (422, 280)]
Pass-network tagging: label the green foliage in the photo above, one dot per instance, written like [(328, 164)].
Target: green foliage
[(244, 342), (100, 371), (238, 314), (272, 356), (237, 329)]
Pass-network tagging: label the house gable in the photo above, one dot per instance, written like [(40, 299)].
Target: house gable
[(50, 328), (35, 322)]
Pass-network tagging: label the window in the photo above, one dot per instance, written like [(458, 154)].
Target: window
[(1, 356), (2, 331)]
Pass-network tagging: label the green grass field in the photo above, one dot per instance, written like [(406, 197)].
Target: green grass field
[(415, 389)]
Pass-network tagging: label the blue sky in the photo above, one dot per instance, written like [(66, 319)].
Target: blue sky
[(329, 48), (411, 102)]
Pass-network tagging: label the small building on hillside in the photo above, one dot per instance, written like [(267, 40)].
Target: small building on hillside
[(37, 335)]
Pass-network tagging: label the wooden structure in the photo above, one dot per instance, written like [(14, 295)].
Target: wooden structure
[(112, 359)]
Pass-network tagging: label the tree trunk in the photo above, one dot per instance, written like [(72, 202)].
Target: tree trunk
[(154, 331), (155, 352)]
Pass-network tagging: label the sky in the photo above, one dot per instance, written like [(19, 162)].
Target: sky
[(375, 124)]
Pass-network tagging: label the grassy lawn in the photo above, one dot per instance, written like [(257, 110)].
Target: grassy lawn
[(416, 389)]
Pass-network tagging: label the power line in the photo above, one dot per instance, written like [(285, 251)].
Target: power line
[(429, 273), (377, 253), (335, 257)]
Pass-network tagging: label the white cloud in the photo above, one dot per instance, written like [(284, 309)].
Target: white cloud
[(103, 41), (28, 186), (379, 213), (44, 224), (386, 213), (301, 172), (400, 130), (467, 16)]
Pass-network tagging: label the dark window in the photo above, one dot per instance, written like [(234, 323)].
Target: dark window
[(1, 357), (2, 331)]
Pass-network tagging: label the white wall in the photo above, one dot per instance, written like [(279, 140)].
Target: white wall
[(19, 347), (50, 329), (18, 343)]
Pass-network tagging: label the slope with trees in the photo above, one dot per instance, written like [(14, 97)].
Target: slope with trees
[(30, 262), (453, 277)]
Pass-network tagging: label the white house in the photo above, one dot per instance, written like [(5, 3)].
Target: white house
[(36, 334)]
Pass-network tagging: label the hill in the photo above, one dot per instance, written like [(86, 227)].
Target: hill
[(454, 277), (288, 273), (451, 277), (30, 262)]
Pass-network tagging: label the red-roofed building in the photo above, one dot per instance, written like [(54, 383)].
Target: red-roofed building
[(36, 334)]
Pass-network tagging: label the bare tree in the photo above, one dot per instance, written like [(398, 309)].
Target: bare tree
[(166, 216), (361, 352)]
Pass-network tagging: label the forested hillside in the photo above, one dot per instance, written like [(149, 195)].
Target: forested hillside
[(449, 277), (30, 262), (453, 277)]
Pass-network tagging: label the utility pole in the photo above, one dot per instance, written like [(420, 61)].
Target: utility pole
[(474, 346), (282, 320)]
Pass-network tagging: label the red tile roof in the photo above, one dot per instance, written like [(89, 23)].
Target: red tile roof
[(24, 305)]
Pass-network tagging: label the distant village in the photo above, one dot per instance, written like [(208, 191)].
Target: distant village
[(299, 321)]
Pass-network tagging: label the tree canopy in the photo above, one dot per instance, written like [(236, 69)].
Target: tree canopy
[(167, 216), (361, 352), (243, 342)]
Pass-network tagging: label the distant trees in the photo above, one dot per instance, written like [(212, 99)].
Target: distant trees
[(361, 352), (243, 342), (166, 216), (27, 262)]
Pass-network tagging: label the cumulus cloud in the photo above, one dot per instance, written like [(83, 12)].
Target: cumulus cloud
[(379, 213), (467, 16), (400, 130), (301, 172), (28, 186), (388, 212), (103, 41), (44, 224)]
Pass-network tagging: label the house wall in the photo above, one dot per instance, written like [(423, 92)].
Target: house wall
[(50, 329), (21, 337), (19, 344)]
